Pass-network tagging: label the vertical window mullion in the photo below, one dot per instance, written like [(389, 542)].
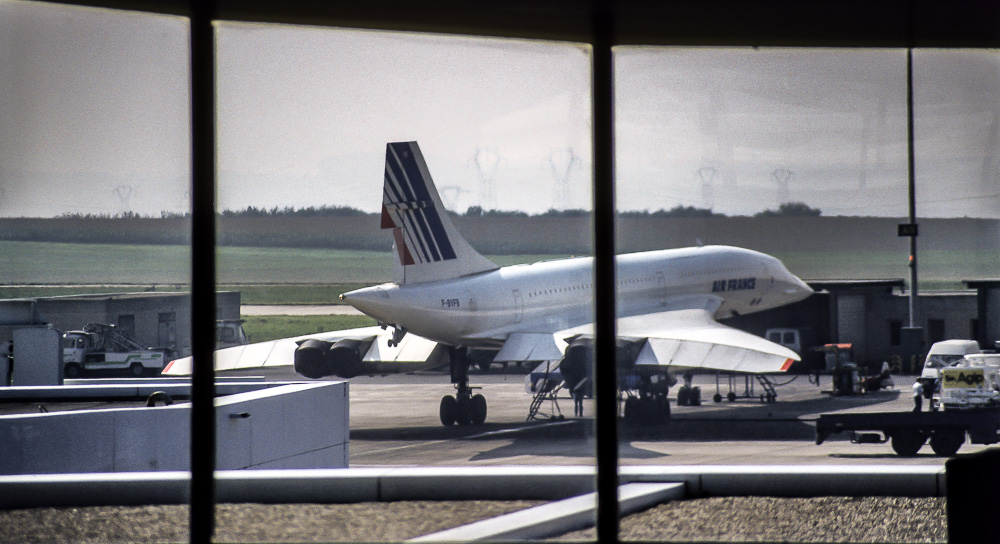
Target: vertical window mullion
[(605, 373), (203, 137)]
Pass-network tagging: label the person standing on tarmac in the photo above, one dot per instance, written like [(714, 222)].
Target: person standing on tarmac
[(578, 394), (918, 396)]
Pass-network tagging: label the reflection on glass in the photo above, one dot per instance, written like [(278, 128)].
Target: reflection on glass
[(94, 177), (799, 157), (375, 178)]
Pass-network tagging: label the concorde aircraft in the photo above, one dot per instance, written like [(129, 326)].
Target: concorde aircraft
[(449, 305)]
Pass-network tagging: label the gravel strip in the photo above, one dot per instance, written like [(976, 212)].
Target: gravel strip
[(724, 519), (386, 521), (771, 519)]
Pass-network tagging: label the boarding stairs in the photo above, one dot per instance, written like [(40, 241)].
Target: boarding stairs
[(547, 391), (768, 386), (769, 394)]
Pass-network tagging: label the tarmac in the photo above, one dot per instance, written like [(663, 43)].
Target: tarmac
[(394, 423)]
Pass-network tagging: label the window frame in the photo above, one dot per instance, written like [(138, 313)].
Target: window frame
[(601, 23)]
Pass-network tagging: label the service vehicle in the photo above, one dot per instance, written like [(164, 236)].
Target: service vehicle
[(941, 355), (101, 347), (969, 394), (971, 382), (229, 333), (907, 432), (944, 354), (839, 362), (801, 340)]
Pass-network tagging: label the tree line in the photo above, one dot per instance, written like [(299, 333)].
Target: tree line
[(788, 209)]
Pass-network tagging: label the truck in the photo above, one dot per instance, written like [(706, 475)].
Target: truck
[(970, 383), (962, 380), (909, 431), (942, 355), (100, 347)]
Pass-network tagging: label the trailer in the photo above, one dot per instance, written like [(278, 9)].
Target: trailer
[(907, 432)]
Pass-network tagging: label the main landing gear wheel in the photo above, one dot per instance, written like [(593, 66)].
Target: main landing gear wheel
[(478, 410), (464, 408), (947, 443), (449, 410), (647, 410), (689, 396), (632, 409), (907, 442), (464, 411)]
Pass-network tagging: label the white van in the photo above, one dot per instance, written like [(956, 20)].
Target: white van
[(944, 354)]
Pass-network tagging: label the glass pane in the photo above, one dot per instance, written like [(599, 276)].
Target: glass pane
[(752, 167), (799, 156), (375, 177), (94, 238)]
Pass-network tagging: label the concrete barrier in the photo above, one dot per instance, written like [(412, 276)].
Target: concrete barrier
[(464, 483), (138, 388), (290, 426), (798, 480)]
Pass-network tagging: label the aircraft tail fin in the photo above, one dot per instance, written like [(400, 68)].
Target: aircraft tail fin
[(428, 247)]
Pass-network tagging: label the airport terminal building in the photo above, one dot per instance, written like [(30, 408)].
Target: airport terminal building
[(872, 315)]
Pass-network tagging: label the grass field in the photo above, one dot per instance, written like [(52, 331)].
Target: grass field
[(318, 276), (262, 328), (55, 263)]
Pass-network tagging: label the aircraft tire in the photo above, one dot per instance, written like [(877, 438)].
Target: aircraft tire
[(947, 443), (683, 396), (907, 442), (661, 407), (463, 414), (731, 396), (478, 409), (632, 409), (449, 410)]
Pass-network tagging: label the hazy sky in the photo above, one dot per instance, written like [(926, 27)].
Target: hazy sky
[(94, 113)]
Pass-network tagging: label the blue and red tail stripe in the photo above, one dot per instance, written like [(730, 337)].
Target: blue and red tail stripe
[(408, 204)]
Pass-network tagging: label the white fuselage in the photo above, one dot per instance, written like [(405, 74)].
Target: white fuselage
[(481, 310)]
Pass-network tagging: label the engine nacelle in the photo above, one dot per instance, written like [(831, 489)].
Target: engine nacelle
[(578, 360), (578, 363), (317, 358)]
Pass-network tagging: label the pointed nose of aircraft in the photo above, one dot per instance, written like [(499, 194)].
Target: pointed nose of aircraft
[(795, 288), (786, 285)]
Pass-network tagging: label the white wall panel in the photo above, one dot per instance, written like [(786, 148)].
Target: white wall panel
[(291, 426)]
